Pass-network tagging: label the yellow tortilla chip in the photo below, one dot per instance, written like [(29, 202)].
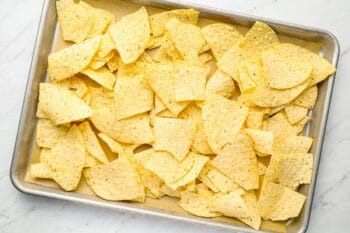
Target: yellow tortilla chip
[(41, 170), (95, 65), (91, 161), (268, 97), (246, 84), (100, 97), (190, 81), (73, 84), (222, 84), (220, 37), (254, 218), (262, 141), (187, 37), (294, 169), (113, 145), (71, 60), (132, 97), (197, 204), (259, 37), (115, 181), (160, 78), (60, 105), (255, 119), (222, 120), (221, 181), (174, 135), (91, 143), (307, 98), (282, 71), (102, 76), (165, 166), (279, 203), (48, 134), (154, 41), (133, 130), (237, 160), (294, 144), (205, 57), (131, 35), (198, 163), (113, 63), (170, 192), (261, 168), (158, 21), (75, 21), (203, 177), (159, 106), (231, 204), (102, 19), (280, 127), (200, 143), (66, 159), (231, 61), (300, 125), (295, 113), (106, 46)]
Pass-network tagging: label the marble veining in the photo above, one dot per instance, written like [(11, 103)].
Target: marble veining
[(18, 212)]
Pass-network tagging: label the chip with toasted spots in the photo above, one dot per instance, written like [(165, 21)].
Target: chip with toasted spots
[(48, 134), (133, 130), (222, 84), (60, 105), (238, 161), (221, 181), (131, 35), (158, 21), (174, 135), (222, 120), (231, 204), (231, 61), (71, 60), (220, 37), (280, 203), (295, 113), (294, 144), (262, 141), (100, 97), (255, 119), (115, 181), (198, 204), (307, 98), (91, 143), (280, 126), (102, 76), (132, 96)]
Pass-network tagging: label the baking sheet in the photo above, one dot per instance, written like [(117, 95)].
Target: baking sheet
[(120, 8)]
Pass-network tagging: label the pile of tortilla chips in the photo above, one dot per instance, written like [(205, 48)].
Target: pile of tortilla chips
[(148, 106)]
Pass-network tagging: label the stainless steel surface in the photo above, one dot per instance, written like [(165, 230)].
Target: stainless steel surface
[(44, 43)]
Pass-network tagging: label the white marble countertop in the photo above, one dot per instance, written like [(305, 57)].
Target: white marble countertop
[(22, 213)]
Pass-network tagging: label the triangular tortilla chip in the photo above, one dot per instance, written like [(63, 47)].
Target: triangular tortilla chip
[(102, 76)]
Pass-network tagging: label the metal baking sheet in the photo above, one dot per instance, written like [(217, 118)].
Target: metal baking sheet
[(46, 41)]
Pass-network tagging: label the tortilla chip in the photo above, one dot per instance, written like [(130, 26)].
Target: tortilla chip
[(160, 78), (170, 192), (295, 113), (197, 204), (282, 71), (131, 35), (165, 166), (48, 134), (102, 76), (222, 84), (187, 37), (279, 203), (200, 142), (262, 141), (198, 163), (232, 61), (113, 145), (100, 97), (205, 57), (71, 60), (294, 144), (237, 160), (67, 159), (158, 21), (221, 181), (246, 84), (174, 135), (280, 127), (102, 19), (91, 143), (154, 41), (231, 204), (300, 125), (113, 64), (190, 81), (261, 168), (307, 98), (115, 181), (132, 97), (222, 120), (259, 37), (220, 37), (75, 21), (159, 106), (61, 105), (294, 169), (41, 170), (254, 120), (132, 130)]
